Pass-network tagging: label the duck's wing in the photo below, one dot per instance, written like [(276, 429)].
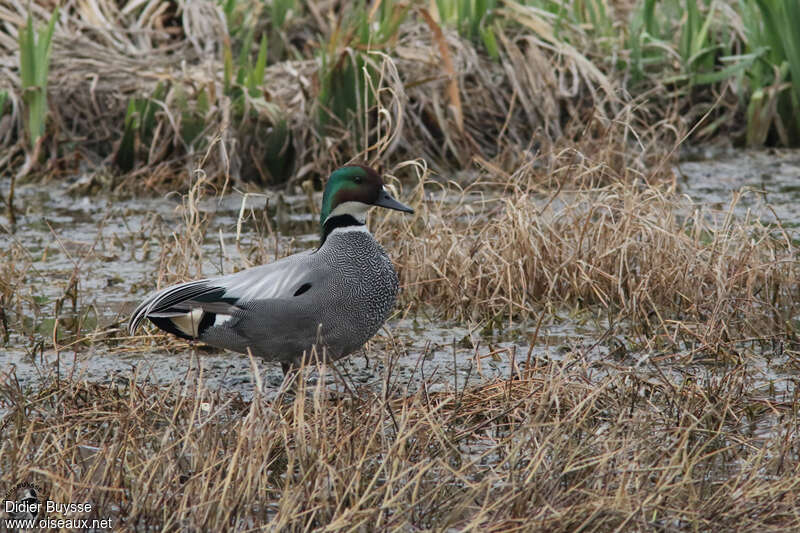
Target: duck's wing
[(187, 309)]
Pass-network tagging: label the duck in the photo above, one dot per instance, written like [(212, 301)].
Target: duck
[(334, 297)]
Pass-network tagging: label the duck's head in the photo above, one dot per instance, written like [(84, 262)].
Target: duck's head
[(349, 194)]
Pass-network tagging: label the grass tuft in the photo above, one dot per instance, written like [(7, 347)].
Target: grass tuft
[(549, 450)]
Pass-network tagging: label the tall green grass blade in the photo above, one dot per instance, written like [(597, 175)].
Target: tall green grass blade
[(193, 117), (126, 153), (362, 23), (139, 124), (695, 45), (688, 31), (243, 60), (490, 42), (601, 21), (27, 48), (644, 32), (43, 47), (649, 17), (340, 89), (469, 17), (442, 7), (149, 108), (228, 7), (279, 9), (279, 151), (770, 13), (255, 75), (391, 15), (34, 69), (744, 62), (131, 121), (227, 67), (701, 39)]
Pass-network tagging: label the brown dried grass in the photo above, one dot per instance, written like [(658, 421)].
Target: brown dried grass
[(557, 449)]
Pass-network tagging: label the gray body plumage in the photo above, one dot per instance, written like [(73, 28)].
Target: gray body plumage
[(337, 297)]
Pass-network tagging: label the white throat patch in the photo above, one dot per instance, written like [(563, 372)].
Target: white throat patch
[(357, 210)]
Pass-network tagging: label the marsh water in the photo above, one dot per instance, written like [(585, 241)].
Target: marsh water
[(91, 258)]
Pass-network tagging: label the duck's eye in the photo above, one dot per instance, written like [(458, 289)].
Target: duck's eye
[(357, 179)]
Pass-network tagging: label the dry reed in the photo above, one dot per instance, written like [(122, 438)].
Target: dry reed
[(677, 274)]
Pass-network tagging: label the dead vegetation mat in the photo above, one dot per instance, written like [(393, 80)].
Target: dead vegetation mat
[(105, 56), (553, 449)]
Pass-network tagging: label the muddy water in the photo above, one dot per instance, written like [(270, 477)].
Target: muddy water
[(769, 181), (99, 242)]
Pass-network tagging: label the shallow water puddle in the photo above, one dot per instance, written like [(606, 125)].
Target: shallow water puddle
[(93, 259), (770, 180)]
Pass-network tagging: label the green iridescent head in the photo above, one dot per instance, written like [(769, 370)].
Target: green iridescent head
[(351, 191)]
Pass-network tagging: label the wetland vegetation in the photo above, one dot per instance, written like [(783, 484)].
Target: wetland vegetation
[(597, 328)]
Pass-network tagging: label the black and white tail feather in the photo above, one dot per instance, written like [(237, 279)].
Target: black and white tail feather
[(186, 310)]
